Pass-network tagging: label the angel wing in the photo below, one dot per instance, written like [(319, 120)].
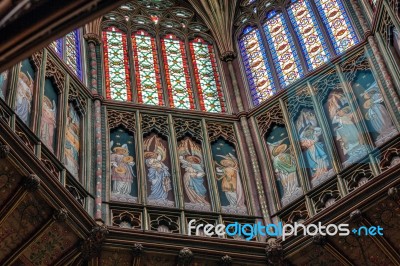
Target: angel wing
[(147, 143), (196, 150), (160, 149), (183, 148)]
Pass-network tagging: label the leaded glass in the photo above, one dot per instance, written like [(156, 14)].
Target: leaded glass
[(116, 65), (283, 51), (73, 52), (257, 69), (309, 34), (207, 77), (147, 72), (57, 46), (338, 24), (177, 74)]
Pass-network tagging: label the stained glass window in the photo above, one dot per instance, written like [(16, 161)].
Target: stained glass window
[(338, 24), (68, 49), (116, 64), (257, 69), (207, 77), (73, 52), (147, 72), (284, 55), (177, 73), (57, 46), (309, 34)]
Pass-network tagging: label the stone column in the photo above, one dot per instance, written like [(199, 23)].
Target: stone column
[(378, 55), (228, 58), (92, 36)]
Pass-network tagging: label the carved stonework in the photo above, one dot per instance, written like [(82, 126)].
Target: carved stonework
[(185, 257), (274, 115), (358, 62), (53, 71), (126, 219), (91, 246), (301, 98), (228, 56), (390, 158), (226, 261), (60, 215), (4, 151), (184, 126), (359, 177), (118, 118), (394, 193), (274, 252), (159, 123), (137, 250), (50, 166), (37, 59), (76, 194), (299, 215), (216, 130), (356, 216), (326, 198), (164, 223), (75, 97), (32, 182)]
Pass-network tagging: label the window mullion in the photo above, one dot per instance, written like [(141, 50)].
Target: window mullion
[(269, 57), (162, 69), (322, 26), (132, 68), (295, 41), (195, 91)]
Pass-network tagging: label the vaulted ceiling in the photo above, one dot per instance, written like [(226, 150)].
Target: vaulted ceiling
[(32, 24)]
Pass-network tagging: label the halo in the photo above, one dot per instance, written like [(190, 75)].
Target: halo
[(278, 150), (120, 148), (150, 154), (367, 104), (226, 162), (193, 159)]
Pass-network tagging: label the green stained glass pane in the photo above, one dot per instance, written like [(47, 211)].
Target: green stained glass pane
[(147, 70), (116, 65), (177, 75), (207, 77)]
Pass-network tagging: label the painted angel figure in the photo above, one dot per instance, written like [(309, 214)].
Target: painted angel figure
[(376, 111), (48, 122), (158, 173), (228, 172), (121, 170), (285, 167), (193, 179), (313, 148), (342, 118), (24, 96)]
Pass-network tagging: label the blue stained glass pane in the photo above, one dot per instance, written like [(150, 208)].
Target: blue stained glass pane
[(309, 34), (283, 51), (337, 23), (73, 52), (257, 69), (57, 46)]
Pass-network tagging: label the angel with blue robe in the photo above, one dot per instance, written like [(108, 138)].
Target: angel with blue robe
[(158, 173)]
